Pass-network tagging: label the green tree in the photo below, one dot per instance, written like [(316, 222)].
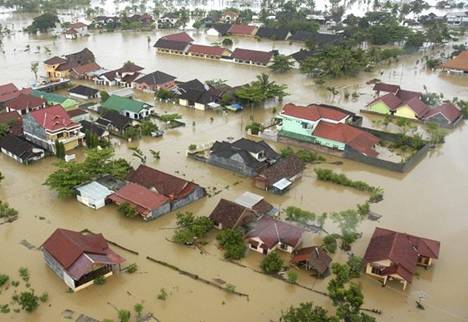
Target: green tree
[(227, 42), (6, 211), (292, 276), (4, 129), (329, 243), (138, 310), (272, 263), (28, 301), (147, 127), (59, 149), (190, 229), (43, 23), (35, 69), (281, 64), (307, 312), (124, 315), (104, 96), (232, 241), (355, 265)]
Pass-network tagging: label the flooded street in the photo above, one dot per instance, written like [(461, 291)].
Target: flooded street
[(428, 201)]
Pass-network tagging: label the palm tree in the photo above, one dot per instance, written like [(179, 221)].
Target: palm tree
[(35, 69)]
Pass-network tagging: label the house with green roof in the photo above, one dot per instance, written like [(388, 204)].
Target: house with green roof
[(54, 99), (128, 107)]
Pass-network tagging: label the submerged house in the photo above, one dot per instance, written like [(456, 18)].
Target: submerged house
[(242, 30), (13, 122), (10, 91), (458, 64), (195, 94), (177, 43), (273, 33), (46, 126), (148, 204), (55, 99), (94, 194), (256, 203), (445, 115), (58, 68), (243, 156), (315, 259), (128, 107), (180, 192), (19, 149), (84, 92), (208, 52), (79, 258), (219, 29), (25, 103), (154, 81), (114, 122), (228, 214), (252, 57), (326, 126), (279, 177), (391, 255), (270, 234)]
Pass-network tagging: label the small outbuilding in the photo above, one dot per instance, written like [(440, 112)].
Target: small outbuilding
[(84, 92), (314, 259), (93, 194)]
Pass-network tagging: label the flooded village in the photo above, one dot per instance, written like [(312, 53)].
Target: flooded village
[(144, 178)]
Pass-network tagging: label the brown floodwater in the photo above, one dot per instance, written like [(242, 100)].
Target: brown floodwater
[(428, 201)]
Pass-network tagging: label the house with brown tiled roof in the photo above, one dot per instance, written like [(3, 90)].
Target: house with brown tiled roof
[(76, 30), (80, 258), (458, 64), (315, 259), (280, 176), (13, 121), (242, 30), (392, 255), (208, 52), (58, 68), (10, 91), (270, 234), (385, 88), (228, 214), (148, 204), (444, 115), (24, 104), (180, 192), (252, 57), (256, 203)]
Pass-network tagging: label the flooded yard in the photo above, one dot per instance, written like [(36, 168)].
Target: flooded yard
[(428, 201)]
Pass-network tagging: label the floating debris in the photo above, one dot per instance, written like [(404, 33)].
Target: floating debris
[(27, 244), (373, 216)]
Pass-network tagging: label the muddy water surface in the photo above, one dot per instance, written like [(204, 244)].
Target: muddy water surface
[(429, 201)]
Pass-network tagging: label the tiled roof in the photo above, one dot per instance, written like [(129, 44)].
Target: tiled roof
[(77, 112), (303, 54), (313, 112), (222, 28), (459, 62), (256, 56), (447, 110), (402, 249), (9, 117), (272, 33), (358, 139), (171, 44), (231, 214), (387, 88), (8, 92), (144, 199), (272, 231), (418, 106), (55, 61), (284, 168), (84, 90), (242, 30), (388, 99), (17, 146), (86, 68), (117, 120), (180, 36), (67, 246), (405, 95), (207, 50), (155, 78), (129, 67), (24, 101), (164, 183), (53, 118), (256, 147), (316, 257)]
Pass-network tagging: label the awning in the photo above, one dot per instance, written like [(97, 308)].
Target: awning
[(282, 184)]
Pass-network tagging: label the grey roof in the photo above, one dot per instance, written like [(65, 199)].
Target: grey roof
[(256, 147), (84, 90), (222, 28), (94, 189), (248, 199), (87, 126), (155, 78), (115, 119), (170, 44), (272, 33), (18, 147)]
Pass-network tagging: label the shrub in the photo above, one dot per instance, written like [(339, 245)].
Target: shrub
[(356, 266), (44, 297), (329, 243), (230, 288), (132, 268), (127, 210), (254, 128), (28, 301), (4, 279), (192, 147), (162, 295), (272, 263), (292, 276), (100, 280), (24, 273), (233, 243)]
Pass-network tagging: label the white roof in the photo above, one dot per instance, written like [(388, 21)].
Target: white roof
[(95, 190), (282, 184), (248, 199), (124, 92)]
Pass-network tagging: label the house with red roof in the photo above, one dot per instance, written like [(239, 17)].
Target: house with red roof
[(46, 126), (270, 234), (148, 204), (76, 29), (392, 255), (78, 258), (25, 103), (58, 68), (252, 57), (385, 88), (180, 192), (326, 126), (10, 91), (242, 30), (458, 64), (177, 43), (208, 52), (445, 115)]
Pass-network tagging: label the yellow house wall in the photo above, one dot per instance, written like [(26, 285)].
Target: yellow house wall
[(406, 112)]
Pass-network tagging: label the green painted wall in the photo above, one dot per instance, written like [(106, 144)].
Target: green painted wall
[(296, 126), (330, 143), (379, 107)]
